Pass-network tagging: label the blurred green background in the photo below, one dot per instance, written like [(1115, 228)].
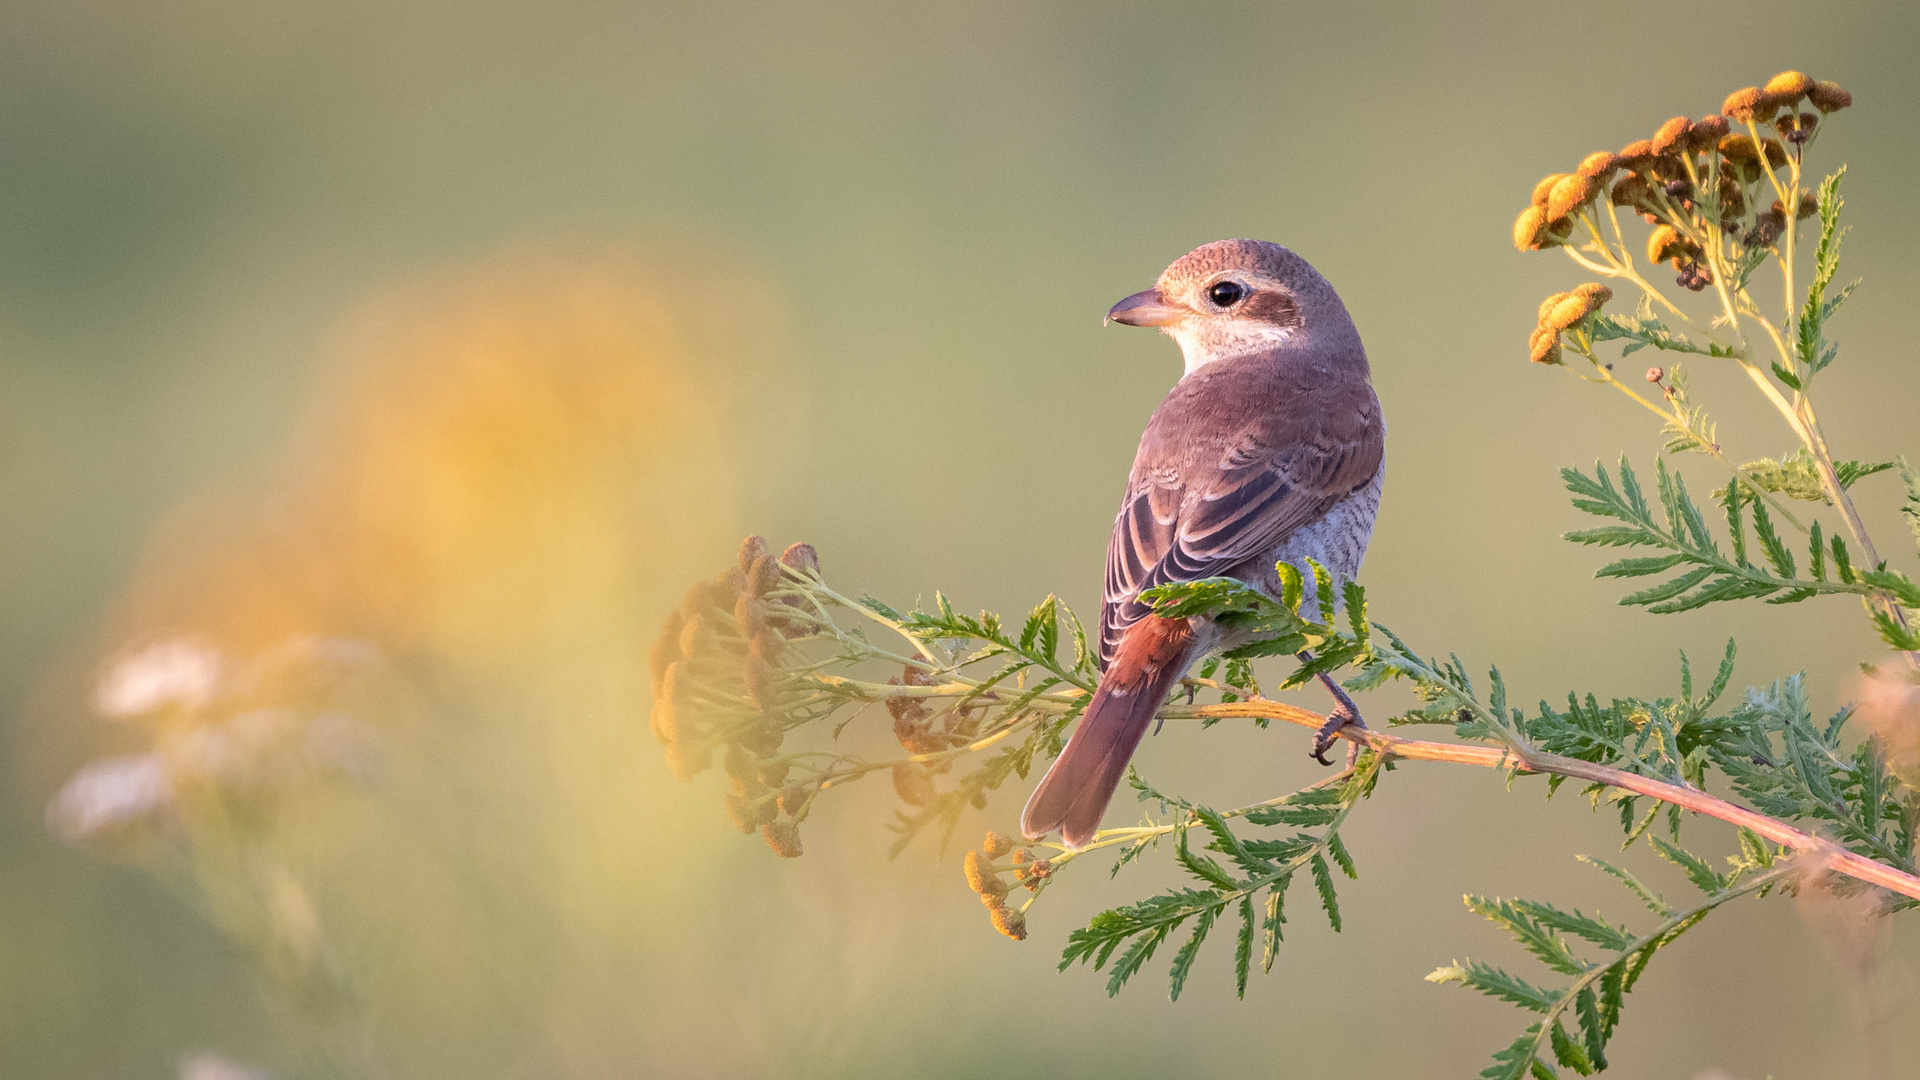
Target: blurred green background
[(886, 234)]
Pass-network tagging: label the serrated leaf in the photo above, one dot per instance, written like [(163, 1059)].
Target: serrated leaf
[(1668, 589), (1270, 926), (1243, 948), (1703, 876), (1323, 884), (1640, 567), (1494, 982), (1647, 896), (1183, 960)]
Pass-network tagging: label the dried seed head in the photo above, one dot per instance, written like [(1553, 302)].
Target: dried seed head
[(666, 648), (1547, 306), (1672, 136), (666, 703), (698, 599), (740, 813), (1739, 148), (1595, 294), (1776, 154), (783, 838), (1544, 187), (1654, 374), (738, 768), (1530, 229), (693, 636), (772, 773), (751, 549), (1569, 195), (978, 870), (996, 844), (750, 614), (1751, 103), (803, 558), (1544, 346), (1706, 133), (1009, 922), (763, 576), (1021, 857), (1828, 97), (1638, 154), (1599, 166), (1631, 190), (728, 586), (793, 798), (764, 739), (758, 675), (994, 892), (1788, 87), (913, 783), (1559, 228)]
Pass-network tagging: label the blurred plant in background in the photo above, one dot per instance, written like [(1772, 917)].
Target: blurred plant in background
[(377, 702), (768, 652)]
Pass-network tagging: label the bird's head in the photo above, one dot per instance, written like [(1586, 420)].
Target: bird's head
[(1233, 297)]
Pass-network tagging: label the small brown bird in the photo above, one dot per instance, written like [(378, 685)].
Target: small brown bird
[(1271, 448)]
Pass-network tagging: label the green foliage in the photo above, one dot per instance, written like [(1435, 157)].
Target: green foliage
[(1709, 575), (1254, 865)]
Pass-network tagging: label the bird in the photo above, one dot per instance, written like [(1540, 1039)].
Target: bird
[(1270, 448)]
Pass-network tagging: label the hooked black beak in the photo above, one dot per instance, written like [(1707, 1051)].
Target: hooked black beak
[(1148, 308)]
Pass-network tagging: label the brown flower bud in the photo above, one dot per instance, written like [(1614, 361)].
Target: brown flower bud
[(793, 798), (1599, 166), (783, 838), (1021, 857), (1544, 346), (666, 648), (803, 558), (1638, 154), (994, 892), (1733, 201), (1788, 87), (1544, 187), (996, 844), (1654, 374), (1672, 136), (1807, 208), (978, 869), (1828, 97), (750, 614), (772, 773), (913, 783), (758, 675), (736, 766), (1706, 133), (1751, 104), (751, 549), (1547, 306), (763, 576), (1569, 195), (1631, 190), (1530, 229), (1009, 922)]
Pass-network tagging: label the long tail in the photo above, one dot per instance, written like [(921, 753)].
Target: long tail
[(1152, 655)]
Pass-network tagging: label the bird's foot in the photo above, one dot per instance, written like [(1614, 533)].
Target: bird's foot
[(1343, 715)]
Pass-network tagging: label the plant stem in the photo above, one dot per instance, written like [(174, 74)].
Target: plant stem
[(1831, 856)]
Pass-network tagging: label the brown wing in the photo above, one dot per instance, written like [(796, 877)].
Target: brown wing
[(1237, 457)]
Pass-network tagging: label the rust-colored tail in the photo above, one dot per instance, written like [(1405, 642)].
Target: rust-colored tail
[(1151, 656)]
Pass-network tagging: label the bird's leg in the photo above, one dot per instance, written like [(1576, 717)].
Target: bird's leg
[(1344, 713)]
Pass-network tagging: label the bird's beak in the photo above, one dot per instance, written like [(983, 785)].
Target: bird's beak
[(1149, 308)]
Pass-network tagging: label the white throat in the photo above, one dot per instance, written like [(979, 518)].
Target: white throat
[(1199, 352)]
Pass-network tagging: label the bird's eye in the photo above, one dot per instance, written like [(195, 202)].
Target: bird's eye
[(1226, 293)]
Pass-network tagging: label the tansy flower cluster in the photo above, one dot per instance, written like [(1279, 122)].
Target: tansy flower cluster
[(983, 877), (1709, 190), (718, 686)]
